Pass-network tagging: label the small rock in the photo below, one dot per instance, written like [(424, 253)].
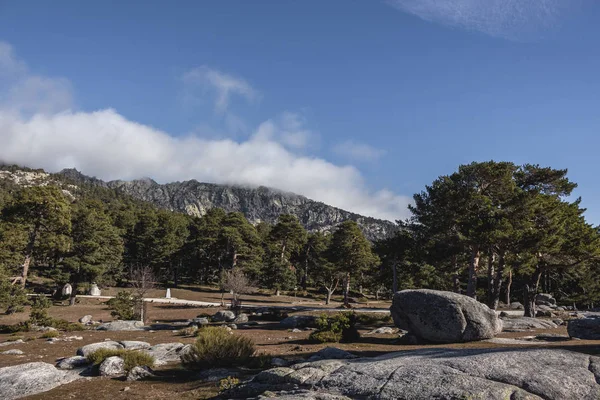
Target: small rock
[(121, 326), (241, 319), (232, 326), (139, 373), (298, 321), (126, 389), (85, 319), (134, 345), (11, 342), (385, 330), (199, 321), (516, 306), (279, 362), (71, 338), (223, 316), (72, 362), (90, 348), (112, 366), (13, 352)]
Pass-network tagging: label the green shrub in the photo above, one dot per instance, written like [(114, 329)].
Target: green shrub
[(335, 328), (49, 335), (216, 347), (39, 311), (132, 358), (370, 319), (63, 325), (125, 306)]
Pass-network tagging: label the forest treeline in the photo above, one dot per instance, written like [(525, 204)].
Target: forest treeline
[(492, 230)]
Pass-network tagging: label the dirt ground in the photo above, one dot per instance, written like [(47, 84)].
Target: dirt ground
[(175, 382)]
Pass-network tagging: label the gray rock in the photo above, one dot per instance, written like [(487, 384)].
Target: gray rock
[(200, 321), (85, 319), (516, 306), (241, 319), (90, 348), (165, 353), (543, 307), (444, 317), (558, 321), (298, 321), (439, 374), (72, 362), (296, 330), (121, 326), (32, 378), (134, 345), (331, 353), (223, 316), (139, 373), (545, 298), (13, 352), (279, 362), (560, 309), (112, 366), (522, 324), (95, 290), (585, 328), (384, 330), (544, 313), (11, 342)]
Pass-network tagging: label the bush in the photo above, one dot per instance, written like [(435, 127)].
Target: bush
[(336, 328), (370, 319), (132, 358), (125, 306), (50, 334), (216, 347), (39, 311)]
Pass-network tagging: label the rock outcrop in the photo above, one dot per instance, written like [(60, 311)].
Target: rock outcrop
[(436, 374), (521, 324), (443, 317), (121, 326), (32, 378), (584, 328), (90, 348)]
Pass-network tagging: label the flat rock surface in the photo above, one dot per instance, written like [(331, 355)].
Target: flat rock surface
[(121, 326), (90, 348), (526, 323), (31, 378), (439, 374)]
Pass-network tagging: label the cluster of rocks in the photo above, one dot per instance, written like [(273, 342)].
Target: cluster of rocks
[(546, 305)]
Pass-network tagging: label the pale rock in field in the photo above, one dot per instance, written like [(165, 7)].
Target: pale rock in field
[(72, 362), (13, 352), (134, 345), (90, 348), (223, 316), (139, 373), (85, 319), (32, 378), (121, 326), (112, 366)]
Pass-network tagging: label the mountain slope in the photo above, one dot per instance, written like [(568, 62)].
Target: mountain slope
[(196, 198)]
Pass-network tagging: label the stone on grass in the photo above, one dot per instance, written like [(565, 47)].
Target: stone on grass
[(241, 319), (494, 374), (444, 317), (585, 328), (138, 373), (200, 321), (134, 345), (72, 362), (223, 316), (121, 326), (90, 348), (85, 319), (11, 342), (13, 352), (32, 378), (165, 353), (112, 366)]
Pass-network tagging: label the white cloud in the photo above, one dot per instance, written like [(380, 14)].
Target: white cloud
[(9, 64), (224, 86), (513, 19), (358, 151), (107, 145)]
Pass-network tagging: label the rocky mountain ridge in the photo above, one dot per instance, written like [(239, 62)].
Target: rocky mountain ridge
[(196, 198)]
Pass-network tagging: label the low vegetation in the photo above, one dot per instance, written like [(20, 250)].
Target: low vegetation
[(131, 358), (50, 335), (124, 306), (216, 347), (335, 328)]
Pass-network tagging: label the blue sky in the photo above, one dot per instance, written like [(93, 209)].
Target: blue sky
[(357, 103)]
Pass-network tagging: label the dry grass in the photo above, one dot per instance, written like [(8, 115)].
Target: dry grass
[(216, 347)]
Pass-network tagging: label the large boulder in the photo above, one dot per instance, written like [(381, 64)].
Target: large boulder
[(223, 316), (32, 378), (121, 326), (299, 321), (444, 317), (584, 328), (438, 374), (90, 348)]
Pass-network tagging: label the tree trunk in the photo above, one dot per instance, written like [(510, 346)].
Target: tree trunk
[(347, 289), (73, 293), (497, 287), (491, 276), (530, 293), (329, 293), (508, 285), (394, 277), (473, 267)]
